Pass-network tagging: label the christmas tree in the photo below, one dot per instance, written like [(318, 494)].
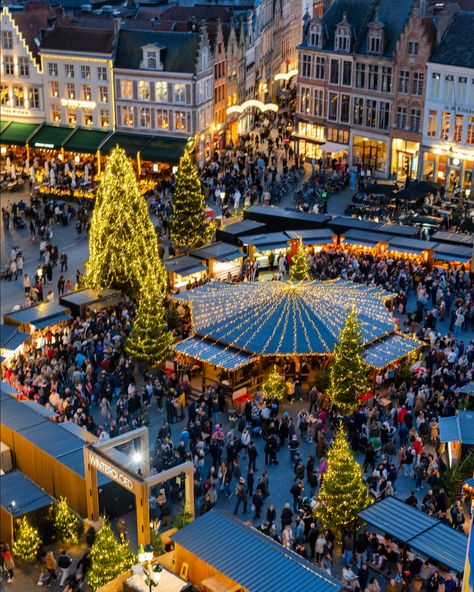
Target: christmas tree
[(347, 374), (67, 526), (274, 387), (122, 239), (157, 543), (27, 540), (299, 269), (109, 558), (343, 493), (189, 226), (149, 339)]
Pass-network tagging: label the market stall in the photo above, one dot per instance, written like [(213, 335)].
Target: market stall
[(11, 341), (223, 260), (458, 432), (185, 271), (234, 233), (260, 246), (410, 248), (40, 316), (449, 255), (88, 299), (364, 240), (315, 240)]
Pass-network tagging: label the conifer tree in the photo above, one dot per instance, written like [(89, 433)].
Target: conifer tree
[(274, 387), (343, 493), (150, 340), (299, 269), (122, 240), (109, 558), (348, 375), (67, 526), (27, 540), (189, 226)]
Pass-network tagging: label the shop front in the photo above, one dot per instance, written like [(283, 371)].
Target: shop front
[(405, 155), (185, 271), (449, 167), (370, 153), (309, 140)]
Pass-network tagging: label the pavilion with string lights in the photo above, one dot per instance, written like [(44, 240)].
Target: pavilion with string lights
[(251, 324)]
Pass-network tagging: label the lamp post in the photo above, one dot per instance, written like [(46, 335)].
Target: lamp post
[(152, 573), (222, 196)]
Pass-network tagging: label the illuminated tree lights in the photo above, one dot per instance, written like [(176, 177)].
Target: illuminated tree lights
[(68, 527), (149, 339), (274, 387), (299, 269), (109, 558), (27, 540), (122, 239), (348, 375), (189, 226), (343, 493)]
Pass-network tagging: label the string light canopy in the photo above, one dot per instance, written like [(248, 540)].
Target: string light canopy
[(252, 104), (286, 318)]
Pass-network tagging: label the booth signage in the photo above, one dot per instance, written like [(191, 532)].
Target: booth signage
[(110, 471)]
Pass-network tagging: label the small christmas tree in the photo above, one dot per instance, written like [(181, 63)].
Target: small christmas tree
[(189, 226), (299, 269), (182, 518), (343, 493), (348, 375), (68, 527), (149, 339), (274, 387), (157, 543), (27, 540), (109, 558)]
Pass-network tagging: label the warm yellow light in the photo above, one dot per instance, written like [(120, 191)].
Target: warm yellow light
[(285, 75), (252, 104)]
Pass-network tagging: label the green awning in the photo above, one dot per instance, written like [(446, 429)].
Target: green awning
[(85, 141), (152, 148), (17, 133), (51, 137), (3, 124)]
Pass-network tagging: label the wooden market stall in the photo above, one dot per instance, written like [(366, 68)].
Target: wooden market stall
[(457, 431), (222, 259), (88, 299), (40, 316), (184, 271)]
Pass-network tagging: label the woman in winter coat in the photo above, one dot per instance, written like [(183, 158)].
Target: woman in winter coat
[(8, 563)]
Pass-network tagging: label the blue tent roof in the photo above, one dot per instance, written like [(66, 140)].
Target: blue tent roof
[(235, 549), (11, 338), (18, 417), (285, 317), (457, 428), (443, 543), (14, 486), (389, 349), (213, 353)]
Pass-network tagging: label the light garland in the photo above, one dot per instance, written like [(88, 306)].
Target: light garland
[(252, 104)]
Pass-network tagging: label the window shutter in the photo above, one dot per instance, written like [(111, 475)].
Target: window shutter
[(118, 90)]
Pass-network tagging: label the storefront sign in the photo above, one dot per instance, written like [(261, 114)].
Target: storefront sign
[(467, 110), (110, 471), (15, 112), (76, 104), (43, 145)]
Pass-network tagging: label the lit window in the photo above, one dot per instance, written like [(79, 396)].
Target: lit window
[(162, 119), (69, 70), (71, 118), (180, 120), (104, 118), (144, 90), (161, 92), (179, 93), (126, 89), (103, 94), (55, 114), (87, 117), (127, 116), (70, 90), (85, 72), (86, 92), (53, 69), (7, 40), (23, 67), (102, 73), (54, 88)]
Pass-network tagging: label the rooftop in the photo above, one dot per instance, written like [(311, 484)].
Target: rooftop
[(79, 39), (455, 48)]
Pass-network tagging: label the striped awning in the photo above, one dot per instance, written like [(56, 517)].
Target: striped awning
[(389, 349), (359, 243), (451, 258), (409, 250), (213, 353)]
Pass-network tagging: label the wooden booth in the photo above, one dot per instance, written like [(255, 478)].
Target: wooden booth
[(81, 301), (40, 316)]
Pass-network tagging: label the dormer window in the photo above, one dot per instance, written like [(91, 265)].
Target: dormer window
[(205, 58), (343, 39), (152, 56), (375, 41), (315, 36), (151, 59)]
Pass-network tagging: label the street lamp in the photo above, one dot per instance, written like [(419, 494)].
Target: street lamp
[(222, 196), (152, 574)]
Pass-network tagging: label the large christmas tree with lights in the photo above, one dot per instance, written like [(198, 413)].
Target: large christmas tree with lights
[(109, 558), (68, 527), (274, 387), (343, 493), (299, 269), (189, 226), (348, 375), (27, 540), (122, 240), (149, 339)]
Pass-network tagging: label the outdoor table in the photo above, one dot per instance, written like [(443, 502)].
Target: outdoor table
[(219, 584), (169, 582)]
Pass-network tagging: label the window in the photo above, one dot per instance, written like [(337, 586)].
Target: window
[(384, 115), (413, 48), (315, 36), (104, 94), (373, 80), (161, 92), (360, 75), (162, 119), (4, 95), (85, 72), (205, 58), (401, 117), (306, 66), (346, 73), (144, 117), (86, 92), (375, 42), (55, 114), (179, 93), (143, 90), (70, 90), (345, 108), (18, 97), (104, 118), (319, 69), (127, 116), (458, 125), (126, 89), (180, 120), (358, 110), (23, 67), (435, 84), (470, 130), (415, 120), (7, 40), (102, 73), (386, 82), (417, 83), (403, 81), (71, 118), (343, 39), (432, 123), (151, 61), (445, 125), (8, 66), (371, 113), (305, 99), (449, 84), (334, 72), (54, 88), (52, 69), (318, 102), (87, 117), (332, 106), (69, 70), (462, 86)]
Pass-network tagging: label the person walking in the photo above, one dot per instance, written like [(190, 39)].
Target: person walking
[(8, 563), (51, 566), (63, 262), (241, 493), (64, 563)]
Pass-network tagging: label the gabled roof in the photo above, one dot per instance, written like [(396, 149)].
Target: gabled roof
[(456, 47), (79, 39), (179, 53)]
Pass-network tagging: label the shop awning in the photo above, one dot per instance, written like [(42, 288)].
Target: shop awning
[(213, 353), (15, 486), (410, 251), (17, 133), (153, 148), (85, 141), (457, 428), (323, 236), (11, 338), (50, 321), (388, 350), (36, 315), (267, 242), (359, 242), (184, 265), (51, 137), (451, 258)]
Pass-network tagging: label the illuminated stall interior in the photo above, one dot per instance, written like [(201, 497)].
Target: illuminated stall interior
[(184, 271), (445, 256), (223, 260), (314, 240), (261, 245), (11, 342)]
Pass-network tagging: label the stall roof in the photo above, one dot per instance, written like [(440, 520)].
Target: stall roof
[(75, 462), (43, 323), (457, 238), (463, 253), (215, 537), (18, 417), (11, 338), (15, 486), (398, 229), (185, 265), (155, 148), (53, 439), (46, 412), (346, 223), (88, 296), (457, 428), (415, 244), (219, 251), (6, 389), (444, 544), (273, 239), (367, 235), (280, 219), (210, 352), (389, 350), (467, 388), (86, 141), (17, 133), (242, 227), (44, 311), (320, 236), (51, 136)]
